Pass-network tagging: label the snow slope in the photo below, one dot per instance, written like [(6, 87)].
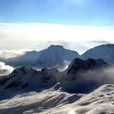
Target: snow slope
[(34, 102), (100, 101)]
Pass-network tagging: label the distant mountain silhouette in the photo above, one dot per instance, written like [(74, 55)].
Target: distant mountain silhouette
[(53, 56), (105, 52)]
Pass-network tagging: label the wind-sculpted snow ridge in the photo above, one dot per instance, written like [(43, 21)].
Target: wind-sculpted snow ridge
[(37, 102), (100, 101)]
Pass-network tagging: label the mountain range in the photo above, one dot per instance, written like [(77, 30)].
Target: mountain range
[(53, 56), (56, 56), (76, 75), (84, 87)]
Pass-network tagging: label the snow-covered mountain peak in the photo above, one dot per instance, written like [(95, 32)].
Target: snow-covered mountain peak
[(53, 56), (105, 52)]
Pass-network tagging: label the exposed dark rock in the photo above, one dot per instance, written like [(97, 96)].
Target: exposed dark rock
[(83, 65)]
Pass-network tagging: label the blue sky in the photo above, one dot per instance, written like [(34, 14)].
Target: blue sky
[(75, 24), (79, 12)]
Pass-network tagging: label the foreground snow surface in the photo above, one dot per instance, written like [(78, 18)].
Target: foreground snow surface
[(100, 101)]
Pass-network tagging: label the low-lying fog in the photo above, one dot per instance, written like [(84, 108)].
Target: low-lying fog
[(5, 69)]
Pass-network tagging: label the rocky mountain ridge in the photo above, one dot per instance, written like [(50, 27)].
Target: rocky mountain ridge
[(30, 79)]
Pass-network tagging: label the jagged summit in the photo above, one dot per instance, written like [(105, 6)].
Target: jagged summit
[(84, 65), (83, 76), (28, 78)]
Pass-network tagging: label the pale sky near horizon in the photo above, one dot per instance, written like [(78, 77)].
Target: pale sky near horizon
[(75, 24)]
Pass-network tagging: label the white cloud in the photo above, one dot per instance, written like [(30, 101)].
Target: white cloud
[(30, 35), (5, 69), (5, 54)]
